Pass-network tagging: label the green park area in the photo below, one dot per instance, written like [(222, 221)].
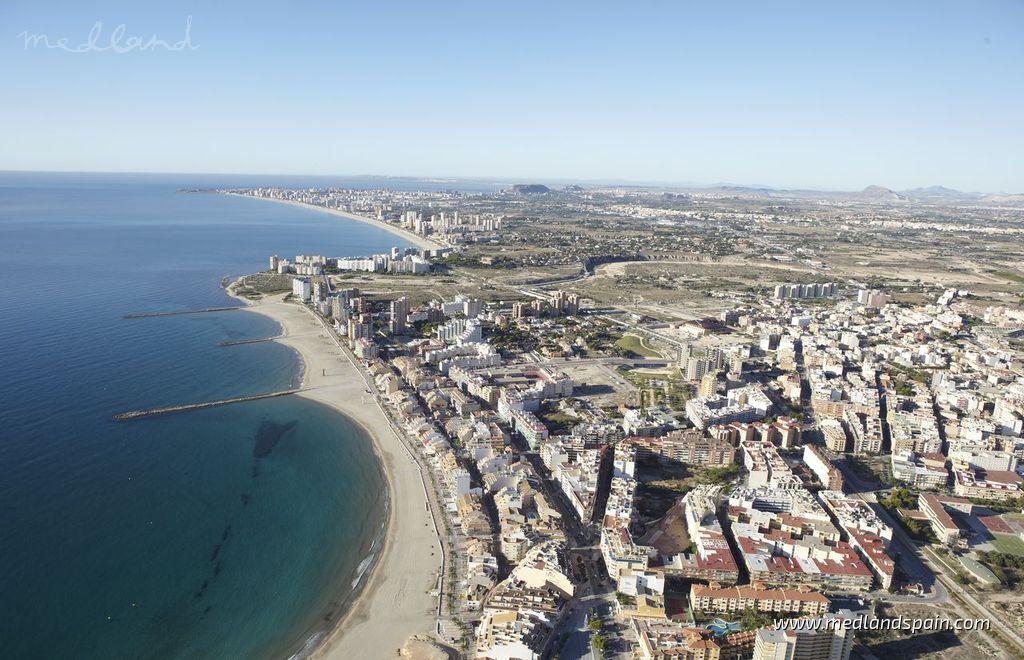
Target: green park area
[(635, 344)]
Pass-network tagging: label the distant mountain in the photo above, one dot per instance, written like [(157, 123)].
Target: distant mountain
[(943, 195), (869, 194), (927, 195), (1003, 200), (573, 189), (934, 191), (940, 195), (529, 189), (747, 191), (879, 194)]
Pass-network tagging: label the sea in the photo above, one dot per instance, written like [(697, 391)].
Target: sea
[(169, 537)]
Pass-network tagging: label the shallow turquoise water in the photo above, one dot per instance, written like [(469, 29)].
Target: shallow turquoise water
[(165, 537)]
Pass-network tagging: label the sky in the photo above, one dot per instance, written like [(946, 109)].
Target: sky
[(789, 94)]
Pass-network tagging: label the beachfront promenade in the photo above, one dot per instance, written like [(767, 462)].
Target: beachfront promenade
[(410, 450), (404, 593)]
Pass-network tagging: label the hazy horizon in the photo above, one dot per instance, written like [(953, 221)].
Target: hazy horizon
[(551, 181)]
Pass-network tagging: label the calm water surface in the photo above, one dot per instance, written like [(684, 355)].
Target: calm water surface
[(165, 537)]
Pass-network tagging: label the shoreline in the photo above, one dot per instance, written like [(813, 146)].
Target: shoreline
[(421, 242), (393, 600)]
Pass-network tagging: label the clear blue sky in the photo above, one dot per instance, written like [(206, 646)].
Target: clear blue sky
[(900, 94)]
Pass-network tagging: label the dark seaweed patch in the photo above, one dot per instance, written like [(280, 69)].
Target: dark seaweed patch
[(268, 435)]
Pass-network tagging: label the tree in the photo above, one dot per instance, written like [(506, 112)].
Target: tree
[(752, 619), (720, 475), (901, 498)]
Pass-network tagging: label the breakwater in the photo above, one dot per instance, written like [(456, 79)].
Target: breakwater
[(239, 342), (143, 315), (151, 412)]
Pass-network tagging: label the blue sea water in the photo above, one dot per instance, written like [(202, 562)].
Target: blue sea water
[(166, 537)]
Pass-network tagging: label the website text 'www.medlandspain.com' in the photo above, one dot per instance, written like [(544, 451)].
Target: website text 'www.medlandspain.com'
[(905, 623)]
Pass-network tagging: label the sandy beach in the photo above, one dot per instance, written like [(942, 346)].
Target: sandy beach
[(419, 241), (396, 601)]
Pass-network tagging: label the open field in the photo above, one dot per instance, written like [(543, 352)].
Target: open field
[(947, 645), (1011, 544), (598, 384), (423, 288), (664, 387)]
